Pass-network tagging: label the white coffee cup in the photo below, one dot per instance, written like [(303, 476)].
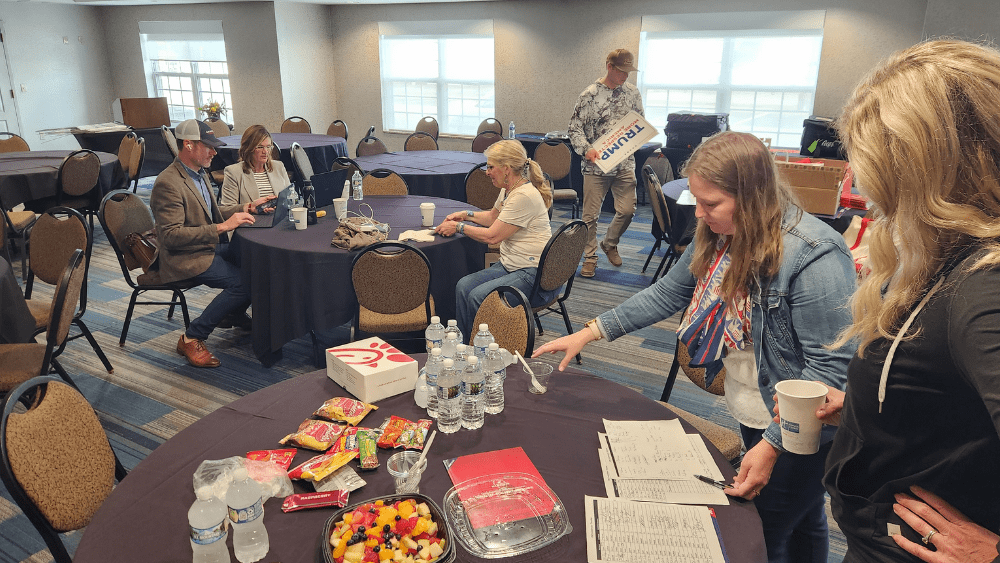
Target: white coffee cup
[(340, 207), (300, 216), (427, 214), (797, 404)]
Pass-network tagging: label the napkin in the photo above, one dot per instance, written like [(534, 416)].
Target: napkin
[(425, 235)]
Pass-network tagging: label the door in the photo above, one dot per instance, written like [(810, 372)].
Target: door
[(8, 104)]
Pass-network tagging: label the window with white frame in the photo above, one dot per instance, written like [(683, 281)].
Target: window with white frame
[(440, 69), (760, 68), (186, 64)]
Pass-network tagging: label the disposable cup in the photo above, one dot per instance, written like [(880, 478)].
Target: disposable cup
[(340, 207), (406, 475), (299, 215), (543, 372), (797, 403), (427, 214)]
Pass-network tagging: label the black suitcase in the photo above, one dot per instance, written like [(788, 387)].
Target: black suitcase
[(819, 139), (686, 130)]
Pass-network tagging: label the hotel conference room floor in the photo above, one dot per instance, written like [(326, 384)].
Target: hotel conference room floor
[(154, 393)]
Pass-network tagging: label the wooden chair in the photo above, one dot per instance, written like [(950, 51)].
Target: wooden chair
[(169, 140), (556, 161), (295, 124), (383, 181), (507, 312), (12, 143), (556, 267), (427, 125), (337, 129), (392, 282), (420, 141), (369, 146), (75, 447), (490, 124), (484, 140)]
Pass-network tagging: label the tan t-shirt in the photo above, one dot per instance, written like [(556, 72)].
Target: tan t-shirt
[(523, 207)]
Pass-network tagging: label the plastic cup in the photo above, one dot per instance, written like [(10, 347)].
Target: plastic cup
[(300, 215), (543, 372), (407, 477), (427, 214), (797, 403), (340, 207)]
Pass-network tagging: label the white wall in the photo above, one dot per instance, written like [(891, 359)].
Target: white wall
[(975, 20), (307, 57)]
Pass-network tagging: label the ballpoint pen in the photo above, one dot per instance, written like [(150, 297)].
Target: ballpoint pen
[(713, 482)]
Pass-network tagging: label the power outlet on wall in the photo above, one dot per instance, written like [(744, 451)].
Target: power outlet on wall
[(65, 40), (24, 88)]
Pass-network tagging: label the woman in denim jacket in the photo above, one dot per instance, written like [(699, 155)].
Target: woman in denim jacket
[(766, 288)]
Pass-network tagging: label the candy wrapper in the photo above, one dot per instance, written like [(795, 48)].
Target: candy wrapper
[(391, 431), (322, 465), (316, 435), (348, 441), (314, 500), (344, 478), (367, 450), (401, 433), (344, 409), (281, 458)]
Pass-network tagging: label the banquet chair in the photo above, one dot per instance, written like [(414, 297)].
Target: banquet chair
[(680, 222), (337, 129), (490, 124), (484, 140), (76, 449), (420, 141), (507, 312), (12, 143), (556, 161), (303, 166), (122, 213), (16, 226), (125, 151), (136, 158), (169, 140), (342, 162), (427, 125), (663, 169), (55, 236), (295, 124), (369, 146), (392, 283), (660, 225), (556, 267), (76, 185), (479, 189), (219, 127), (383, 181)]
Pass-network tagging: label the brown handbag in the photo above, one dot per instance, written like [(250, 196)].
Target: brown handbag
[(140, 250)]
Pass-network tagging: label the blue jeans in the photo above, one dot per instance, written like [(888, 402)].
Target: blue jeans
[(472, 290), (792, 507), (224, 273)]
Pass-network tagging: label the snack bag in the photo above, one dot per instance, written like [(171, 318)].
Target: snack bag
[(391, 431), (281, 458), (367, 450), (348, 441), (344, 409), (414, 435), (322, 465), (316, 435)]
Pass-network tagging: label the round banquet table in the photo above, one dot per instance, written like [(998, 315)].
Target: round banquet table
[(299, 282), (558, 432), (157, 157), (322, 150), (436, 173), (27, 176), (16, 323)]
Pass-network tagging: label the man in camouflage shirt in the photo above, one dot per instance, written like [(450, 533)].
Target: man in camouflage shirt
[(600, 106)]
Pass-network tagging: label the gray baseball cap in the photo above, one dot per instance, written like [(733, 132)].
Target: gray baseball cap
[(194, 130)]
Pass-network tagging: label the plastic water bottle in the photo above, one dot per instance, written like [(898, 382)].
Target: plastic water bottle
[(209, 529), (359, 194), (420, 390), (431, 370), (449, 346), (291, 200), (495, 371), (473, 384), (449, 390), (453, 328), (246, 511), (434, 334), (461, 356), (482, 340), (510, 130)]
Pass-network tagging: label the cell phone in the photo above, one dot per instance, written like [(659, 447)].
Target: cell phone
[(269, 204)]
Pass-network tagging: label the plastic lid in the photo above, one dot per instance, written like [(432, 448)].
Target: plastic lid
[(203, 492), (484, 327), (472, 360), (461, 347), (494, 346), (452, 322), (435, 351), (240, 473), (435, 320), (452, 336), (449, 363)]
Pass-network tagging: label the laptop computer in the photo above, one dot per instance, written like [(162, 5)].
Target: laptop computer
[(329, 186), (269, 220)]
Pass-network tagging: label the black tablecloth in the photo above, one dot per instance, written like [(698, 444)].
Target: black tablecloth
[(145, 518), (322, 150), (27, 176), (157, 156), (299, 282), (16, 322), (433, 173)]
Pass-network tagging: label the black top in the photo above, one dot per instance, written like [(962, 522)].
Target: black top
[(939, 422)]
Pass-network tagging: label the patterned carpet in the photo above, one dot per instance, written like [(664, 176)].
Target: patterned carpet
[(154, 393)]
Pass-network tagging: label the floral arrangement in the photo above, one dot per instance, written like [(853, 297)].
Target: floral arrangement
[(213, 108)]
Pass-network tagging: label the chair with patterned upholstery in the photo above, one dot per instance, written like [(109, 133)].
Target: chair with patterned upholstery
[(337, 129), (169, 140), (507, 312), (556, 267), (556, 161), (484, 140), (76, 185), (479, 189), (383, 181), (369, 146), (427, 125), (136, 157), (219, 127), (12, 142), (121, 214), (76, 449), (16, 226), (663, 169), (125, 151), (295, 124), (420, 141), (344, 162), (392, 282), (490, 124)]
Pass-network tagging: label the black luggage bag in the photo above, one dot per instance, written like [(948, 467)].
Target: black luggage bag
[(819, 139), (686, 130)]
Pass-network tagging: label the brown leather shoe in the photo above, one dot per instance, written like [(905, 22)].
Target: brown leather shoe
[(196, 353), (613, 256), (588, 269)]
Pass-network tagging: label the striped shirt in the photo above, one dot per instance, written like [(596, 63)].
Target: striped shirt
[(263, 184)]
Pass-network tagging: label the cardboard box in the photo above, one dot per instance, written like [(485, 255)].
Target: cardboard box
[(817, 186), (371, 369)]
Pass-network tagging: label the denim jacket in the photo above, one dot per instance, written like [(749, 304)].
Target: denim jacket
[(794, 314)]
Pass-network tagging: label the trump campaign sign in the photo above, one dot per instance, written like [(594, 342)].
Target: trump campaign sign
[(624, 138)]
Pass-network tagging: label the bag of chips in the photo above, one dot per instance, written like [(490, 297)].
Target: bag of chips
[(316, 435), (344, 409)]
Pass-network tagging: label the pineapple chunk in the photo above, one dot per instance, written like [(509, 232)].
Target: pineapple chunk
[(398, 556), (436, 550), (432, 528), (423, 509), (424, 543), (408, 542), (354, 556), (409, 559)]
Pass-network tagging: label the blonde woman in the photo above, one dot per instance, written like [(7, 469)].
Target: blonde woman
[(256, 174), (771, 282), (918, 448), (518, 221)]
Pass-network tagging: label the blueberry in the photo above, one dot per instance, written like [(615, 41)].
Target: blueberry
[(398, 518), (386, 528), (361, 529), (376, 549)]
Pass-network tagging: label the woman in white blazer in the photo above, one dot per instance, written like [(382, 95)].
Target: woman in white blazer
[(256, 174)]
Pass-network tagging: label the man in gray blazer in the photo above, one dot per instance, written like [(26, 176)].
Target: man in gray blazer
[(190, 228)]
